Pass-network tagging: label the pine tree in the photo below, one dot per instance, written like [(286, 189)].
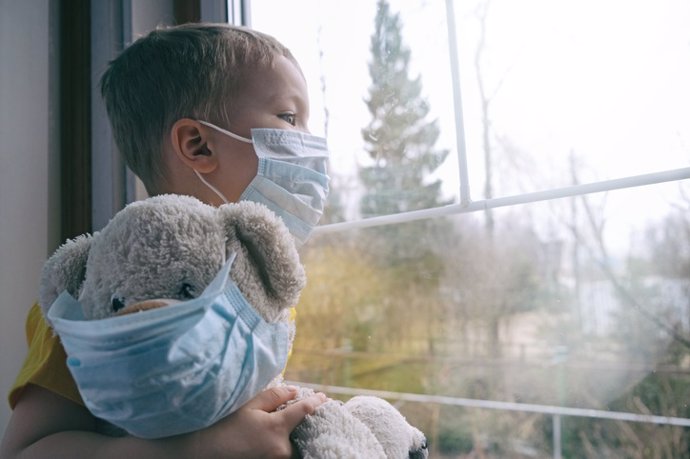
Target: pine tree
[(399, 139), (401, 142)]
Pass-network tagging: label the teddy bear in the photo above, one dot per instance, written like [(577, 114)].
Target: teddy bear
[(168, 249)]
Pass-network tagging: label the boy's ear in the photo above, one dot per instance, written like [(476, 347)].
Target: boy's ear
[(190, 143)]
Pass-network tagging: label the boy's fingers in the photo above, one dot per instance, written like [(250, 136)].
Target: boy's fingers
[(270, 399), (294, 414)]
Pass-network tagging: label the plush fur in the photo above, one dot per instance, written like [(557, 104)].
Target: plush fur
[(168, 248), (364, 427)]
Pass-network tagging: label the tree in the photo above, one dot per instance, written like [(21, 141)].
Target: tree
[(399, 139)]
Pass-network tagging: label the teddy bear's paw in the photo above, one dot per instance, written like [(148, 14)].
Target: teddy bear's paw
[(397, 437), (332, 432), (334, 447)]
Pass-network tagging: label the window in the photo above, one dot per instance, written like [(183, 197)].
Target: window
[(506, 250)]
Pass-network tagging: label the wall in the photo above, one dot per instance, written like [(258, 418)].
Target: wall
[(29, 221), (29, 163)]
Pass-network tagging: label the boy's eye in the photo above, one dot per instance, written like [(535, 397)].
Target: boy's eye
[(289, 117)]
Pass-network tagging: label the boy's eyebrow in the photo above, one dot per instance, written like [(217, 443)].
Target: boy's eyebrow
[(290, 97)]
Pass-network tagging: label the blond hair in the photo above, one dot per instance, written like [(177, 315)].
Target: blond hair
[(188, 71)]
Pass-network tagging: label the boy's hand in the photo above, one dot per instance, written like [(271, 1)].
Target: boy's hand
[(256, 429), (44, 424)]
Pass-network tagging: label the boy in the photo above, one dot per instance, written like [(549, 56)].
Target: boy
[(182, 103)]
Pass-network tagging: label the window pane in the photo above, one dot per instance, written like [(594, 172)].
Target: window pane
[(567, 303), (579, 302), (332, 41), (573, 91), (555, 93)]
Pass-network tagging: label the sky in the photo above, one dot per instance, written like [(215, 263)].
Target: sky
[(604, 81)]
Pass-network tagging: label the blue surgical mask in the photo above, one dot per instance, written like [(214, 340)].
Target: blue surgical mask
[(291, 178), (175, 369)]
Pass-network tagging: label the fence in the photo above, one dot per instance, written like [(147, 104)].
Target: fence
[(555, 411)]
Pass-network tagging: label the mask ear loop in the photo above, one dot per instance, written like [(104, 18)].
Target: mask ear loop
[(228, 133), (211, 187)]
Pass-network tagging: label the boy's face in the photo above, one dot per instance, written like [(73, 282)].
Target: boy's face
[(273, 97)]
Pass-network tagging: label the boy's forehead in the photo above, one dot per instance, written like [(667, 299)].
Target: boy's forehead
[(281, 79)]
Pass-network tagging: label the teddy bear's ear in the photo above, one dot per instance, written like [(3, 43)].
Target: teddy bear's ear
[(267, 269), (64, 270)]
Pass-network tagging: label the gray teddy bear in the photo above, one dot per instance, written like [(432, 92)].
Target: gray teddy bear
[(168, 248)]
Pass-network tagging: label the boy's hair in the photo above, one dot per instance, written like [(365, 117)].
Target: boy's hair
[(188, 71)]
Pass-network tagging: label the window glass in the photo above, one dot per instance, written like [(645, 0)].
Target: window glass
[(553, 93), (332, 41), (566, 317), (547, 309), (596, 88)]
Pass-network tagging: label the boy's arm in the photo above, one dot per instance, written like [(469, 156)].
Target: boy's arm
[(44, 424)]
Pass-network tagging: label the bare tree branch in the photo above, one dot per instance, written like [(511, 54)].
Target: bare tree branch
[(603, 261)]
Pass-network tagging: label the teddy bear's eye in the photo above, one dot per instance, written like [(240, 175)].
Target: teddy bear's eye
[(117, 303), (187, 291)]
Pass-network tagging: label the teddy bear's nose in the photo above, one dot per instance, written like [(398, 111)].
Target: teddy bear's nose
[(145, 305)]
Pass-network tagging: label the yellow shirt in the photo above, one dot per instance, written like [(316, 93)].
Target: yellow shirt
[(45, 364)]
